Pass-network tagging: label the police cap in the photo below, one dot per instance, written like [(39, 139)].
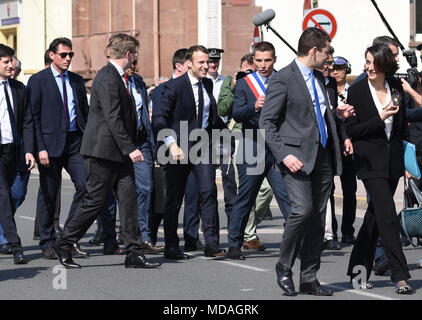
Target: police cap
[(215, 54)]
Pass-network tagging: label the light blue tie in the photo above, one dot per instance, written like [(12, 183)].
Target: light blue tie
[(320, 118)]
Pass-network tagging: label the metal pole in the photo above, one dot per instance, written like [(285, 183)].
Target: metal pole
[(156, 42)]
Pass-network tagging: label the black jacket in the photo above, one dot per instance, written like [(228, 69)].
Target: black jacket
[(375, 155)]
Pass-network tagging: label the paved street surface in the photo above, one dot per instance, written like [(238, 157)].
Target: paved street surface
[(104, 277)]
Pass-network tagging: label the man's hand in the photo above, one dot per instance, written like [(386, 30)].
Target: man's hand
[(345, 111), (348, 147), (176, 152), (44, 160), (136, 156), (259, 103), (293, 163), (30, 160), (406, 86)]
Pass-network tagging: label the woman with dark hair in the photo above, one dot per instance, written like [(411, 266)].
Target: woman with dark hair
[(377, 132)]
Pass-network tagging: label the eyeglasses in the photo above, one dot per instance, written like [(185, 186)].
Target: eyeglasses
[(339, 66), (63, 55), (329, 63)]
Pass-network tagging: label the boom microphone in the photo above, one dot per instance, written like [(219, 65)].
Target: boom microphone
[(264, 17)]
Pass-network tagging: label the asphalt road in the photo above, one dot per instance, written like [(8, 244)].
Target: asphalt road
[(104, 277)]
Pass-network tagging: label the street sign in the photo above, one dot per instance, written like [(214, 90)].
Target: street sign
[(321, 19)]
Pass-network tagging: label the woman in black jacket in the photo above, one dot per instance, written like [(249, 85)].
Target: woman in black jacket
[(377, 132)]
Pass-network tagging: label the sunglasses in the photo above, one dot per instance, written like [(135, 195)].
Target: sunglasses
[(65, 54), (339, 66), (329, 63)]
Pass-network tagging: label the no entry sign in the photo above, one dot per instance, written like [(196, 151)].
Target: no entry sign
[(321, 19)]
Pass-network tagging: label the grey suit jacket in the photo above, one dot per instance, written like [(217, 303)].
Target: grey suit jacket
[(289, 119)]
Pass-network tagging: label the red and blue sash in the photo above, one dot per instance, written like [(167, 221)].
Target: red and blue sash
[(256, 85)]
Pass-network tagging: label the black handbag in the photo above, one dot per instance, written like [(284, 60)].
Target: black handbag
[(159, 192), (411, 215)]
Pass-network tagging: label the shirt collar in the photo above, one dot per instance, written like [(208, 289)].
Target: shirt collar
[(264, 78), (303, 69), (119, 68), (56, 73), (192, 79), (2, 81)]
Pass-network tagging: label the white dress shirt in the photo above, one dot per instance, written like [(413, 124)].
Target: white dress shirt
[(5, 125), (389, 121)]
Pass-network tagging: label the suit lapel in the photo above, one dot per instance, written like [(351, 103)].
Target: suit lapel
[(73, 86), (53, 83), (190, 89), (15, 101), (297, 75)]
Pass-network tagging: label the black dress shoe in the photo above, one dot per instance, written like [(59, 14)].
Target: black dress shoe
[(65, 258), (110, 250), (19, 258), (314, 288), (331, 245), (235, 254), (284, 279), (214, 251), (97, 240), (139, 261), (49, 254), (77, 252), (148, 247), (174, 253)]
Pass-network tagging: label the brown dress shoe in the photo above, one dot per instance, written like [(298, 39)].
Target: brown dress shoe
[(254, 244), (148, 247)]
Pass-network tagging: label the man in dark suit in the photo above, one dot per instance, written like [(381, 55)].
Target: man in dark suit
[(249, 97), (60, 108), (109, 150), (188, 100), (143, 170), (15, 123), (301, 133), (191, 219)]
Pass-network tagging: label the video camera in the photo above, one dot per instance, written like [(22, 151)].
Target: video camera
[(412, 74)]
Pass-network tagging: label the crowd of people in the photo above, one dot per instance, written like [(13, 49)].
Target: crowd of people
[(307, 124)]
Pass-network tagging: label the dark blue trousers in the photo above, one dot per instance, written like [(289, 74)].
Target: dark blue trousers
[(249, 186)]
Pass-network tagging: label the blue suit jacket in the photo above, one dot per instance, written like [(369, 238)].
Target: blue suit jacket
[(244, 106), (141, 88), (47, 110)]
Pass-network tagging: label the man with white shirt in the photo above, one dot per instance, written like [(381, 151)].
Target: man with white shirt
[(15, 123), (188, 100), (249, 97)]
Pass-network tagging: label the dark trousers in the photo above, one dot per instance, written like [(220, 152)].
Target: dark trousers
[(176, 176), (249, 186), (40, 201), (7, 176), (102, 177), (380, 220), (191, 216), (349, 186), (50, 179), (229, 188), (304, 229)]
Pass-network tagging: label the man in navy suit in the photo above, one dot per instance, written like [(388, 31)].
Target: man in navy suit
[(189, 100), (60, 108), (143, 170), (249, 97)]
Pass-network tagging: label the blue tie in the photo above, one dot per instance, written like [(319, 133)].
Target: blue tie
[(320, 118)]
